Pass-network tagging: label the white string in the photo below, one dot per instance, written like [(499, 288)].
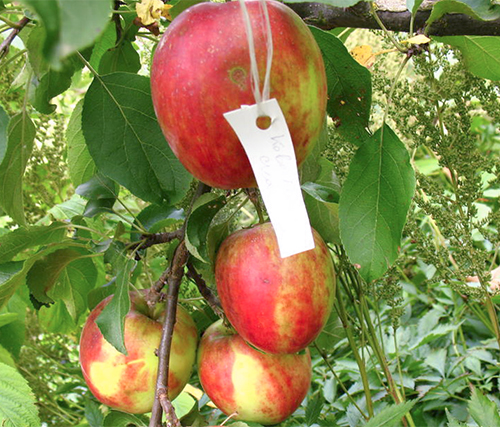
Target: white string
[(259, 98)]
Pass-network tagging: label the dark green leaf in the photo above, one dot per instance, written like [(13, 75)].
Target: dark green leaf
[(126, 142), (111, 321), (321, 193), (21, 133), (481, 54), (390, 415), (34, 44), (374, 203), (452, 421), (51, 84), (4, 125), (45, 273), (477, 9), (349, 88), (106, 41), (93, 414), (2, 5), (121, 419), (12, 335), (17, 402), (56, 319), (70, 25), (483, 410), (12, 276), (198, 224), (101, 192), (181, 6), (313, 408), (80, 164), (124, 57), (23, 238), (6, 318), (154, 217), (439, 331)]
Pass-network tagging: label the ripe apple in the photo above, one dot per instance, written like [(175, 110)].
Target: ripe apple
[(128, 382), (201, 70), (279, 305), (259, 387)]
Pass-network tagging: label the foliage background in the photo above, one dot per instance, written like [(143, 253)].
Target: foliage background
[(416, 345)]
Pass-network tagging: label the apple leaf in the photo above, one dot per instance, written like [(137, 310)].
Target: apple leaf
[(126, 142), (122, 419), (6, 357), (69, 25), (111, 321), (349, 88), (80, 164), (198, 225), (21, 134), (12, 275), (4, 125), (101, 193), (374, 202), (481, 54), (56, 319), (6, 318), (17, 402), (483, 410), (391, 415), (123, 57), (155, 217), (413, 5), (183, 404), (12, 335), (106, 41), (93, 413), (23, 238), (477, 9)]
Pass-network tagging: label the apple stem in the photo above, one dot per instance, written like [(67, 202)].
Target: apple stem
[(253, 195), (205, 291)]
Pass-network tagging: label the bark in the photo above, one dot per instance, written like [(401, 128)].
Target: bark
[(395, 17)]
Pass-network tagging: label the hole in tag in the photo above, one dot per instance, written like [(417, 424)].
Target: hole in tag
[(263, 122)]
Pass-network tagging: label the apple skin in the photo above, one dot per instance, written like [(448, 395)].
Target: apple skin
[(279, 305), (128, 382), (259, 387), (201, 70)]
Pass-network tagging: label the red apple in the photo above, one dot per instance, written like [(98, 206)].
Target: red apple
[(259, 387), (201, 70), (128, 382), (279, 305)]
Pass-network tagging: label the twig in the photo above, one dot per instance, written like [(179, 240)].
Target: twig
[(117, 20), (148, 240), (166, 405), (5, 46), (174, 281), (205, 291)]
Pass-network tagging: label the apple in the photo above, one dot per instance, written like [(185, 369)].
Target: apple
[(201, 70), (279, 305), (128, 382), (258, 387)]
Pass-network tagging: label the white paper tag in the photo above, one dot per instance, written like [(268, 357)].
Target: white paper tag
[(273, 162)]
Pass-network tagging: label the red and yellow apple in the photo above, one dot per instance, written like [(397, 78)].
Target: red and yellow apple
[(128, 382), (201, 70), (258, 387), (279, 305)]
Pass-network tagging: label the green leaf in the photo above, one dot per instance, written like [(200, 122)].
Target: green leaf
[(121, 419), (331, 334), (349, 88), (198, 224), (101, 193), (70, 25), (106, 41), (56, 319), (111, 321), (477, 9), (481, 54), (437, 332), (391, 415), (335, 3), (13, 334), (4, 125), (17, 402), (6, 318), (321, 193), (483, 410), (125, 140), (6, 357), (313, 408), (12, 276), (183, 404), (93, 414), (374, 203), (80, 164), (21, 133), (413, 5), (51, 84), (124, 58), (452, 421), (154, 218), (23, 238), (181, 6)]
